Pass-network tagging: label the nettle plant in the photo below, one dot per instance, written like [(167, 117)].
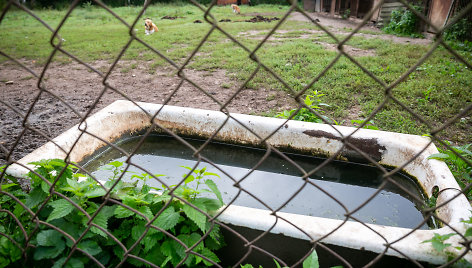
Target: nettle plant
[(162, 241)]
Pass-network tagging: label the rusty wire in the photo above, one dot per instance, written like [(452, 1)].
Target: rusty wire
[(250, 245)]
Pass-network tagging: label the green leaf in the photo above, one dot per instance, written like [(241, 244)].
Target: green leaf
[(311, 261), (149, 241), (439, 156), (168, 219), (42, 252), (210, 255), (160, 198), (95, 192), (189, 179), (115, 164), (277, 264), (212, 185), (45, 187), (438, 241), (211, 174), (146, 211), (468, 232), (166, 261), (210, 203), (137, 230), (174, 250), (48, 238), (166, 248), (190, 240), (35, 197), (90, 246), (155, 256), (196, 216), (101, 219), (122, 212), (6, 186), (61, 208), (72, 263)]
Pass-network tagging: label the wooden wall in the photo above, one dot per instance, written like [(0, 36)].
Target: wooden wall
[(229, 2)]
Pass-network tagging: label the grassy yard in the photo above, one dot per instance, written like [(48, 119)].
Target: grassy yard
[(439, 89)]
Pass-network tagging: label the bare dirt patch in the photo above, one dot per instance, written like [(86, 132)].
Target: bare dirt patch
[(352, 51), (281, 35), (337, 25), (81, 88)]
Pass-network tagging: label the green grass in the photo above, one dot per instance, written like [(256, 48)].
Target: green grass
[(436, 91)]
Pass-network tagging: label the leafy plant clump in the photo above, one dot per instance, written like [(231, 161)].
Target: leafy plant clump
[(346, 14), (460, 168), (404, 23), (162, 241), (304, 114), (460, 31), (438, 242)]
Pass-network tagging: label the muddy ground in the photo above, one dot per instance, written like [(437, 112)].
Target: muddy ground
[(80, 88)]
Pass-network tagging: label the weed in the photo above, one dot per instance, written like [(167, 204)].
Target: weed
[(460, 167), (460, 31), (271, 97), (403, 22), (304, 114), (438, 242), (155, 245), (346, 14), (368, 125), (87, 5), (426, 95)]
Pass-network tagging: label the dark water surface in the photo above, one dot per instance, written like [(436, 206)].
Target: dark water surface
[(275, 180)]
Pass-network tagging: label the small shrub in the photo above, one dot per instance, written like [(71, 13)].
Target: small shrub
[(403, 22), (346, 14), (460, 31)]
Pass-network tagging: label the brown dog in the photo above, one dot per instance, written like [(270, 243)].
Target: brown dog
[(236, 9), (149, 26)]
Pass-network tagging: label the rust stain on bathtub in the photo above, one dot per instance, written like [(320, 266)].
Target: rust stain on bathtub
[(370, 146)]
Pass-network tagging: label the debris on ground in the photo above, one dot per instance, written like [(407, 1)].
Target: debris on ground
[(171, 17), (225, 20), (259, 18), (197, 21)]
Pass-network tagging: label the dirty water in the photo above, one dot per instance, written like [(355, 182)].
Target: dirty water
[(275, 181)]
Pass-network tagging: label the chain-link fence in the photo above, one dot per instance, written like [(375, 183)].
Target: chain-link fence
[(63, 218)]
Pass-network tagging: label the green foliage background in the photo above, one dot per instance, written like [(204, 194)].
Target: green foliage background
[(62, 4)]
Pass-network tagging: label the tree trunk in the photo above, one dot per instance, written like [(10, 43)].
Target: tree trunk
[(333, 6)]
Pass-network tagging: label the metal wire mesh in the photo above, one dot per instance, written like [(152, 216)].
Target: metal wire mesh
[(30, 131)]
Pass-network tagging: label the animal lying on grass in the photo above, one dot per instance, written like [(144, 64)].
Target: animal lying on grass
[(149, 26)]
